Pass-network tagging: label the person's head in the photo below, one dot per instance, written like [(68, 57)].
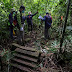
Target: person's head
[(29, 13), (22, 8), (12, 10), (47, 13)]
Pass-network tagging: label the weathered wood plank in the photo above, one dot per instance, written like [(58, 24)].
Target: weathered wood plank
[(22, 68), (22, 47), (24, 63), (25, 58), (35, 54)]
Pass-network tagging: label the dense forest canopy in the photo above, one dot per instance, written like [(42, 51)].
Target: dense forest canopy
[(58, 9)]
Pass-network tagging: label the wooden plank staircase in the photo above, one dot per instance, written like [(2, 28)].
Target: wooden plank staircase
[(25, 58)]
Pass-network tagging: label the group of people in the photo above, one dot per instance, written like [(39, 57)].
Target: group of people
[(14, 21)]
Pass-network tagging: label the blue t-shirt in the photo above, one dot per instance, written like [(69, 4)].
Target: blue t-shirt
[(48, 21)]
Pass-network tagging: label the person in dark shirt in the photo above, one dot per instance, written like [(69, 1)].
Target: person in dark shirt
[(48, 22), (29, 21), (11, 22)]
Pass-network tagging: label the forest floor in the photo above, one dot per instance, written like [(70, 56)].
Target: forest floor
[(48, 62)]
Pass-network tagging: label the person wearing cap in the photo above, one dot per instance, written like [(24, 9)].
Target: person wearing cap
[(11, 22), (48, 22), (29, 20)]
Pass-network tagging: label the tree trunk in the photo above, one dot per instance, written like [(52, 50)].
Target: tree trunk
[(67, 12), (1, 63)]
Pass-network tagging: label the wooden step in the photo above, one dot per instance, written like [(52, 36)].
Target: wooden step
[(28, 53), (23, 63), (26, 58), (22, 47), (22, 68)]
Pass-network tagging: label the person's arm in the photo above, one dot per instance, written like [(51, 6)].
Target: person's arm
[(34, 14), (44, 18), (25, 17)]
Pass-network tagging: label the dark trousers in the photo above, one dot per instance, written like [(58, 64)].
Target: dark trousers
[(46, 33), (30, 27), (11, 33)]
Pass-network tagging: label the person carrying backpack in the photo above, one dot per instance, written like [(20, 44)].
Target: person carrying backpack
[(29, 20), (48, 22)]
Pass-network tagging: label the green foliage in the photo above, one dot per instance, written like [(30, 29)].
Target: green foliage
[(37, 43), (56, 7), (55, 43), (6, 55), (52, 50)]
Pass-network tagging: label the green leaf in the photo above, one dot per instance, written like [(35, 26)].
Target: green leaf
[(4, 1), (8, 0)]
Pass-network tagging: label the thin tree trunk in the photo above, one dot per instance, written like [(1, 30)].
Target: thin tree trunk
[(67, 12), (1, 63)]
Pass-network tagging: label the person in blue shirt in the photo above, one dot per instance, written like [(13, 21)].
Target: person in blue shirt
[(48, 22), (11, 22), (29, 21)]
